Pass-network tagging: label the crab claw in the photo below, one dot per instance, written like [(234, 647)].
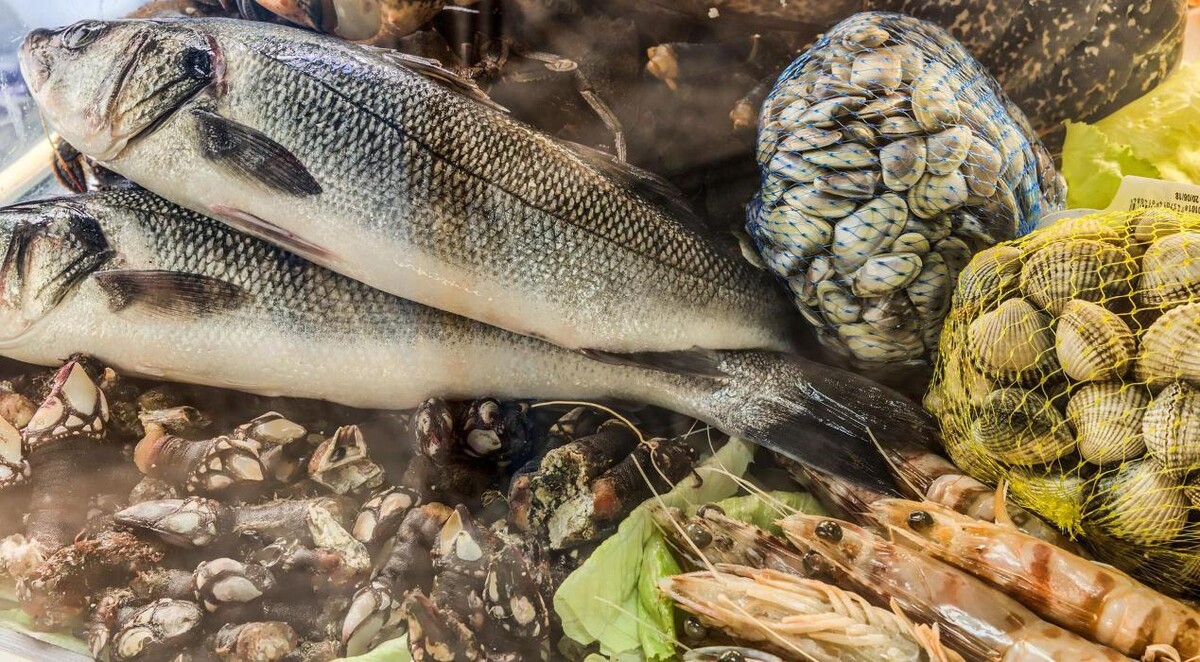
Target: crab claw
[(193, 522), (75, 408), (160, 627), (374, 614), (380, 516), (436, 635)]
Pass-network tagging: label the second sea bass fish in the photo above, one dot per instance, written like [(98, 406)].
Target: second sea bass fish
[(156, 290), (387, 170)]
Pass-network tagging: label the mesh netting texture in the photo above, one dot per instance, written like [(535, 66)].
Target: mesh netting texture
[(889, 157), (1070, 368)]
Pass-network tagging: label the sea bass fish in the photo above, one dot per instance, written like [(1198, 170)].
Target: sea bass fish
[(159, 291), (391, 171)]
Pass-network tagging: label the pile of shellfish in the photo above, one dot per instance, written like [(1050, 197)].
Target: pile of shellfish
[(889, 157), (1069, 369)]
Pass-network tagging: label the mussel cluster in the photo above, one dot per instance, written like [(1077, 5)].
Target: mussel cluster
[(1068, 368), (889, 156)]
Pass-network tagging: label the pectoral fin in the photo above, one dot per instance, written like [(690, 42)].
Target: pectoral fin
[(251, 154), (169, 293)]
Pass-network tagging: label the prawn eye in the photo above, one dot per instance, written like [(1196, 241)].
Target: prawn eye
[(694, 629), (814, 564), (830, 530), (920, 519), (707, 508), (699, 536)]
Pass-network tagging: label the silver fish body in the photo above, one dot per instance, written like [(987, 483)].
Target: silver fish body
[(390, 173), (156, 290)]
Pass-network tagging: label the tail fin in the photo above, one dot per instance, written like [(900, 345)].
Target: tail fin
[(820, 416)]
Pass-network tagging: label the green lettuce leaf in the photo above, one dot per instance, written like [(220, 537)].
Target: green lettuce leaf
[(763, 510), (1094, 166), (1158, 135), (656, 613), (599, 602)]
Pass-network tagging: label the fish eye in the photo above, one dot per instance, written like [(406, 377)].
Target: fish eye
[(81, 34), (920, 519), (197, 63)]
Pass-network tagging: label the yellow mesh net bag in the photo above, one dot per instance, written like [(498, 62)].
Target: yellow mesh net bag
[(1070, 367)]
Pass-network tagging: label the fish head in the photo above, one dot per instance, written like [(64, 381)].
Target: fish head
[(49, 247), (102, 84)]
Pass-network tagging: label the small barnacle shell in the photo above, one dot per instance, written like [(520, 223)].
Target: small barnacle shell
[(1107, 417), (1140, 503), (989, 278), (1093, 343), (1171, 271), (1076, 269), (1168, 350), (1171, 428), (1015, 426), (1013, 342)]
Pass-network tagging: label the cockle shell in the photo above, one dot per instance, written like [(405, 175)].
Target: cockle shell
[(1015, 426), (860, 132), (1093, 343), (1168, 350), (1149, 225), (890, 313), (1060, 497), (990, 277), (1171, 428), (1140, 503), (1013, 342), (1076, 269), (933, 104), (898, 125), (1107, 417), (911, 242), (1171, 271)]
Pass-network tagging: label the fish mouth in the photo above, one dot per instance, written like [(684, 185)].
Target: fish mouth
[(32, 58)]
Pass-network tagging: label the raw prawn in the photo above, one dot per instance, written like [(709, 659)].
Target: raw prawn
[(796, 616), (977, 620), (1093, 600)]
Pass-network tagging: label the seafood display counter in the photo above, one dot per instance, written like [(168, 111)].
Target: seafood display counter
[(496, 330)]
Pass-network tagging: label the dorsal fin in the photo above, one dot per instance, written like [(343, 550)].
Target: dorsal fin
[(438, 73)]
